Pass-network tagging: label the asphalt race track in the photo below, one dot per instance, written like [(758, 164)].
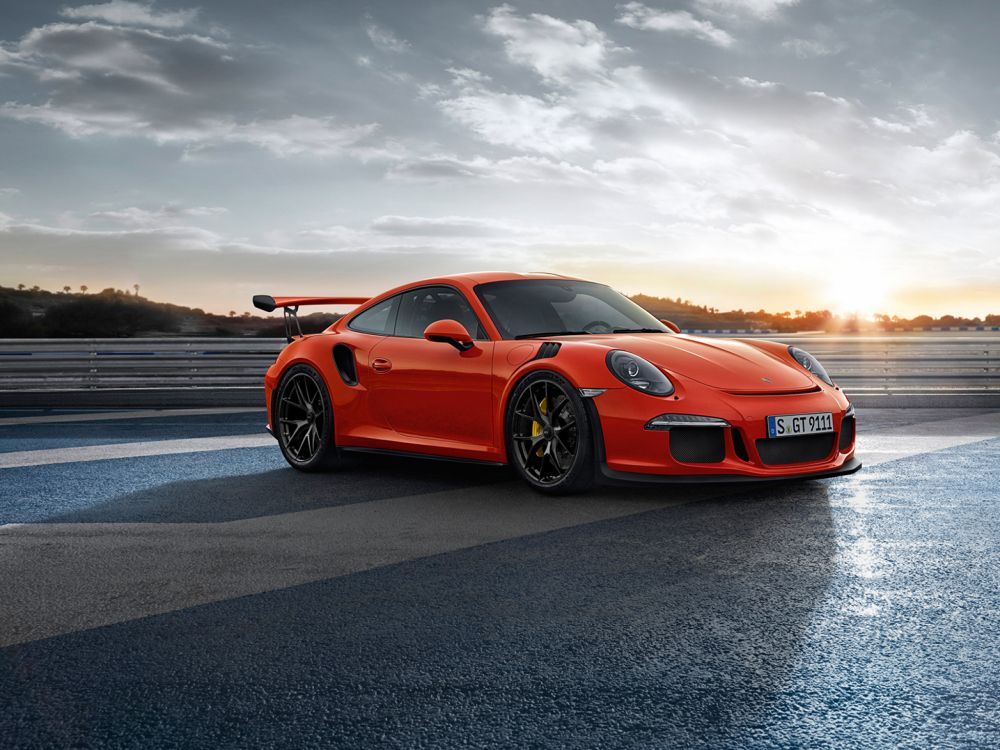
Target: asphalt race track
[(168, 582)]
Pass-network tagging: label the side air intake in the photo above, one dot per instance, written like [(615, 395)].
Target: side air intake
[(343, 357)]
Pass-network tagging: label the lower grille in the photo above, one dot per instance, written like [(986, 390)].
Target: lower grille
[(698, 445), (795, 450)]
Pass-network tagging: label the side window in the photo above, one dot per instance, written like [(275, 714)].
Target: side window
[(421, 307), (378, 319)]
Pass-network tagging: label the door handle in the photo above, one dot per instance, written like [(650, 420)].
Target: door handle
[(381, 364)]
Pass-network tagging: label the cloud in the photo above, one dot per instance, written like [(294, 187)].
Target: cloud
[(726, 163), (516, 169), (892, 127), (518, 120), (806, 48), (8, 191), (639, 16), (128, 13), (186, 89), (384, 39), (136, 216), (445, 226), (758, 9), (183, 264), (603, 160), (552, 47)]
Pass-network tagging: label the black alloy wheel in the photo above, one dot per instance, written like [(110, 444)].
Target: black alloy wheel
[(303, 420), (549, 438)]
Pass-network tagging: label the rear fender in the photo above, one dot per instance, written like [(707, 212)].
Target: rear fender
[(316, 351)]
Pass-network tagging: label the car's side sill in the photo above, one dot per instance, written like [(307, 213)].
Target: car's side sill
[(414, 454), (612, 476)]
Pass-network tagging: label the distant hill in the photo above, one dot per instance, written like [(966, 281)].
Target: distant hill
[(38, 313)]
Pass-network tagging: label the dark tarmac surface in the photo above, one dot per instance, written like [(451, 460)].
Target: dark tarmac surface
[(862, 611)]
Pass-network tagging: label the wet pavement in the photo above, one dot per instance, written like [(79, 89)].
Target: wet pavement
[(217, 598)]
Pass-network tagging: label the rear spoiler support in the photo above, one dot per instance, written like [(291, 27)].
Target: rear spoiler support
[(290, 314), (290, 307)]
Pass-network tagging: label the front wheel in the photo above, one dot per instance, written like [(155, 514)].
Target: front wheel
[(303, 421), (549, 437)]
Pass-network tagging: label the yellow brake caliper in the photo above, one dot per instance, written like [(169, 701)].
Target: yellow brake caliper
[(536, 426)]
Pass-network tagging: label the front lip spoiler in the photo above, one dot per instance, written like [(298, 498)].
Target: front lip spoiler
[(611, 476)]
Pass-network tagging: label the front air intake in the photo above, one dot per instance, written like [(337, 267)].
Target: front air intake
[(698, 445), (795, 450)]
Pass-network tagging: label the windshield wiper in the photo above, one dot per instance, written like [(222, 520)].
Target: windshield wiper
[(638, 330), (542, 334)]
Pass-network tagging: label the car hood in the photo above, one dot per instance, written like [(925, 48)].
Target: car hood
[(726, 364)]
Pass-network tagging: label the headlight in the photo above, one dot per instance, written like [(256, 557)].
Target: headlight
[(810, 363), (635, 372)]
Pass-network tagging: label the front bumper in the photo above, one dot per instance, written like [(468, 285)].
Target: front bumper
[(628, 451)]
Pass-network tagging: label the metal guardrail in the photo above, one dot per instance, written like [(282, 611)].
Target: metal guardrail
[(177, 371)]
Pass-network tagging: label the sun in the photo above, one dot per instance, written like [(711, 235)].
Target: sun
[(860, 296)]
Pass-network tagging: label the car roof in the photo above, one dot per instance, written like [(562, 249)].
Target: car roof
[(465, 281), (485, 277)]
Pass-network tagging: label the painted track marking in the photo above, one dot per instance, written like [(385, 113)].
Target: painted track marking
[(109, 415), (18, 459)]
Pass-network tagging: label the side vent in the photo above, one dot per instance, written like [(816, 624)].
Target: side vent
[(343, 357), (548, 350), (847, 428), (739, 447)]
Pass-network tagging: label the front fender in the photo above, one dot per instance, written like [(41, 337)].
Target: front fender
[(583, 365)]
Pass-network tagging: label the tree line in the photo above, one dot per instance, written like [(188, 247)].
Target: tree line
[(38, 313)]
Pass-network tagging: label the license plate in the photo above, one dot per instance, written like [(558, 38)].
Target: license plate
[(790, 425)]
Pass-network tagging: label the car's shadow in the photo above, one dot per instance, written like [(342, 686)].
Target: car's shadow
[(364, 478), (284, 490), (682, 626)]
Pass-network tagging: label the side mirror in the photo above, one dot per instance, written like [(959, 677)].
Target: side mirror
[(449, 332), (672, 326)]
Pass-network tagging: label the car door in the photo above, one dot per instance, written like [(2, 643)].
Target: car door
[(429, 389)]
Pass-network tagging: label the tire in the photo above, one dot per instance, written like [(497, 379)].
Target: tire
[(551, 443), (301, 402)]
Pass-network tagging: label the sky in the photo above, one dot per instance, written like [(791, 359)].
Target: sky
[(776, 154)]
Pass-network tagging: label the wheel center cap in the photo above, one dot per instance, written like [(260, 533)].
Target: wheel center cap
[(547, 433)]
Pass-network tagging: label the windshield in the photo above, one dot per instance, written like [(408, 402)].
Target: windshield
[(540, 307)]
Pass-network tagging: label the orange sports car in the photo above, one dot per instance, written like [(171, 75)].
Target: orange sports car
[(567, 380)]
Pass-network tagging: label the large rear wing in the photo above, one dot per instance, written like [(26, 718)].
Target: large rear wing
[(290, 307)]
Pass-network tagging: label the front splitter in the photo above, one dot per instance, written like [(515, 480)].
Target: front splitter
[(612, 476)]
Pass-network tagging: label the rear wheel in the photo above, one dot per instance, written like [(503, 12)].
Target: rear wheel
[(303, 421), (549, 438)]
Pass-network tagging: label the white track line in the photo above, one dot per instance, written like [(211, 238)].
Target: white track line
[(18, 459), (110, 415)]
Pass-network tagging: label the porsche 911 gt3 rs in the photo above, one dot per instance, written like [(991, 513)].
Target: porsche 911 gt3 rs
[(565, 379)]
